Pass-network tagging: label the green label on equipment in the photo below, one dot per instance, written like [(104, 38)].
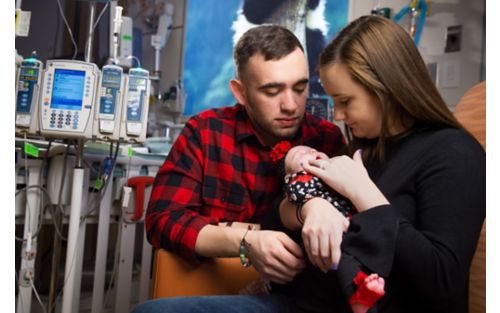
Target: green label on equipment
[(98, 184), (31, 149)]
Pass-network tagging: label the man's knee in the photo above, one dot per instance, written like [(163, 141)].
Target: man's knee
[(159, 305)]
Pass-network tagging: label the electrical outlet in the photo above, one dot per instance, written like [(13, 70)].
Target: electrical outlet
[(450, 77)]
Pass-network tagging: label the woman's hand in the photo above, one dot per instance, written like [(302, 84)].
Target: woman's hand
[(348, 177), (322, 233)]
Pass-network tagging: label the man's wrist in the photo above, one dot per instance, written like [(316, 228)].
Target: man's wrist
[(239, 225), (244, 249), (235, 235)]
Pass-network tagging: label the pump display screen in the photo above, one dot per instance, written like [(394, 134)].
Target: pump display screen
[(25, 88), (29, 73), (137, 86), (68, 88)]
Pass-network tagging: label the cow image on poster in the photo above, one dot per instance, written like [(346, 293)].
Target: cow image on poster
[(305, 18)]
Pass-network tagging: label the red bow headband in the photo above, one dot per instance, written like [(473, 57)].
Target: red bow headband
[(279, 150)]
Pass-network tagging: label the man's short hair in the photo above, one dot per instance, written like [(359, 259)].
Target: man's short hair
[(273, 42)]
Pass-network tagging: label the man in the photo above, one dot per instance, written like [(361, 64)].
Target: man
[(219, 170)]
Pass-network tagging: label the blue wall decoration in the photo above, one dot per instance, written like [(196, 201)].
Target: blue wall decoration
[(211, 26)]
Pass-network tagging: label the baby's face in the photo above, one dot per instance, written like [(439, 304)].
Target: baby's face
[(299, 155)]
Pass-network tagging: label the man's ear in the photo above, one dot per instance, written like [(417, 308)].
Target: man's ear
[(238, 91)]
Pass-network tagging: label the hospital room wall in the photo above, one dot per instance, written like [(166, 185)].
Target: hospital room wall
[(456, 71)]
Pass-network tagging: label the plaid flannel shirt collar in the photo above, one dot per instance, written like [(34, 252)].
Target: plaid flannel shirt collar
[(244, 127)]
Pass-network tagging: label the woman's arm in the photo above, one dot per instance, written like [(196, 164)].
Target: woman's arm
[(435, 250), (436, 187)]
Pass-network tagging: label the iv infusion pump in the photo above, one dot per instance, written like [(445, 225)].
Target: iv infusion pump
[(67, 98), (27, 91), (135, 112), (109, 106), (73, 99)]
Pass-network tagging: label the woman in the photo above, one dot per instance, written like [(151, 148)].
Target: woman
[(416, 177)]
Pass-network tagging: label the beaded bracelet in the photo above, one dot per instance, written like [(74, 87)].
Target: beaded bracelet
[(245, 249)]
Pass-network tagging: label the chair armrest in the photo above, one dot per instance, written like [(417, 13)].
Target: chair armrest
[(173, 276)]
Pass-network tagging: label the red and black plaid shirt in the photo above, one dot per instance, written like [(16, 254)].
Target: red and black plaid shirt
[(217, 171)]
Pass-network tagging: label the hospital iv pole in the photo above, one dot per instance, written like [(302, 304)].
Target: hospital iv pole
[(158, 41), (70, 299), (57, 242), (69, 302), (29, 246), (107, 201), (56, 255)]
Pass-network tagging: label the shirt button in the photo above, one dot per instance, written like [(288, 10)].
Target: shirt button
[(223, 199)]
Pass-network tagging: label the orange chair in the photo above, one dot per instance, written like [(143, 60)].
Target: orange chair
[(172, 276), (471, 112)]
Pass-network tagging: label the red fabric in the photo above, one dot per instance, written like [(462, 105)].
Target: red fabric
[(364, 295), (303, 178), (218, 170), (279, 150)]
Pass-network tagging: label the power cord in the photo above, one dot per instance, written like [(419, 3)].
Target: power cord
[(45, 192), (69, 29), (37, 295)]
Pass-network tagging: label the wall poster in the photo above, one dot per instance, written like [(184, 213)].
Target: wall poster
[(213, 26)]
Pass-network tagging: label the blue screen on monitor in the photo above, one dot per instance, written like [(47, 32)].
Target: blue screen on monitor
[(68, 88)]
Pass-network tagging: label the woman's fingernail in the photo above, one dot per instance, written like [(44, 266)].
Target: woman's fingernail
[(334, 266)]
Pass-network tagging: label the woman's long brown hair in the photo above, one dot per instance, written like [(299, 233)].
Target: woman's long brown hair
[(381, 56)]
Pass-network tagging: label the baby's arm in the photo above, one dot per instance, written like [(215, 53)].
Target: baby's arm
[(300, 187)]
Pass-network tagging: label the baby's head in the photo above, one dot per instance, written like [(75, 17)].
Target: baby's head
[(299, 155)]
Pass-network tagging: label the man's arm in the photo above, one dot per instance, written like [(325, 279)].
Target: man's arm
[(221, 240), (175, 221), (273, 254), (173, 218)]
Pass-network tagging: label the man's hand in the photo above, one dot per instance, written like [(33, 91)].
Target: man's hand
[(275, 255), (322, 233)]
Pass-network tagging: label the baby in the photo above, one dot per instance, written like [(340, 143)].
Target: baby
[(300, 187)]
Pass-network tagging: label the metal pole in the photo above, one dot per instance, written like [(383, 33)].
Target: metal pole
[(102, 248), (56, 252), (56, 258), (88, 48), (125, 267), (73, 232), (29, 247), (147, 250)]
